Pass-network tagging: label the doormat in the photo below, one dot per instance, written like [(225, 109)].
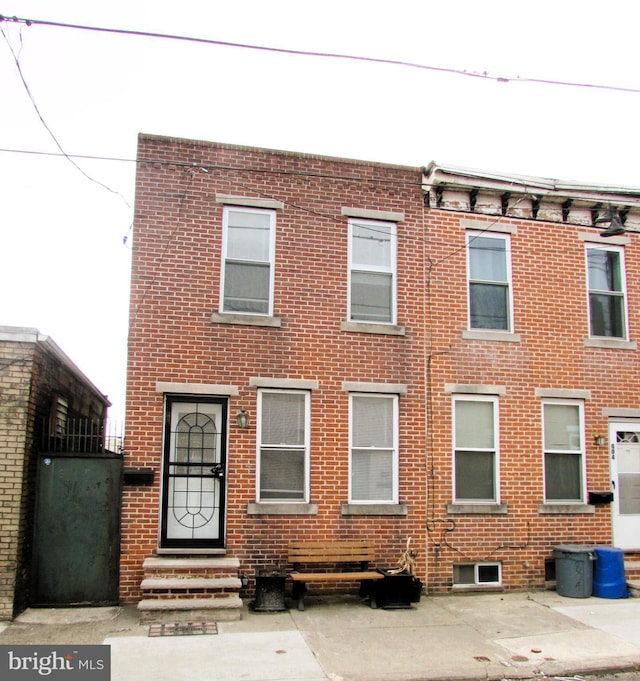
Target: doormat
[(183, 629)]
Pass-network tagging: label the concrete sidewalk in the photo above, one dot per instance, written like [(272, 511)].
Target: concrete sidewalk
[(494, 636)]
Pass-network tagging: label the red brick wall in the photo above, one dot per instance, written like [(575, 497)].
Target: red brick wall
[(176, 287)]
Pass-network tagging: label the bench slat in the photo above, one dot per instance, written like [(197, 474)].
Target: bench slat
[(334, 576), (327, 552), (330, 557)]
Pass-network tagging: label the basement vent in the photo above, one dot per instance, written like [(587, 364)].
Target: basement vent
[(477, 574)]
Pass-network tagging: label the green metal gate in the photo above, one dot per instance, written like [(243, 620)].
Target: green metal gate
[(76, 542)]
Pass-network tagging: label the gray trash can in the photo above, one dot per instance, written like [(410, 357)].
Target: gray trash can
[(574, 570)]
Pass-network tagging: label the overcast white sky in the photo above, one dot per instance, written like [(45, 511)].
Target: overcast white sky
[(63, 266)]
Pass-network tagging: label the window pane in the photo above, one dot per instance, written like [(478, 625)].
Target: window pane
[(248, 236), (604, 270), (607, 315), (489, 306), (282, 474), (283, 419), (246, 288), (371, 296), (563, 478), (474, 424), (372, 476), (464, 573), (488, 574), (487, 259), (562, 427), (371, 245), (372, 422), (629, 493), (474, 476)]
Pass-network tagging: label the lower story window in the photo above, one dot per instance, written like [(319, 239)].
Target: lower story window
[(475, 449), (373, 448), (469, 574), (283, 445), (563, 452)]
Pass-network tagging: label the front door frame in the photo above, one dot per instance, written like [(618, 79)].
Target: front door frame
[(625, 525), (213, 472)]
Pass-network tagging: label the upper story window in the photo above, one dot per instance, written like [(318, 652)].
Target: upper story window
[(489, 269), (372, 271), (283, 445), (248, 261), (563, 443), (373, 436), (607, 300), (475, 449)]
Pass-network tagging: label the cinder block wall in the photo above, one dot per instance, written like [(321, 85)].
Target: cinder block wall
[(16, 362)]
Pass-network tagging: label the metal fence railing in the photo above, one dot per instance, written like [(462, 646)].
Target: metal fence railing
[(83, 436)]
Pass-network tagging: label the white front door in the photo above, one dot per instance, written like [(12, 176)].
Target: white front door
[(624, 449)]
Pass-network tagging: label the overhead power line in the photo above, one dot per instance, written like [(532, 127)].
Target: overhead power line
[(16, 59), (327, 55)]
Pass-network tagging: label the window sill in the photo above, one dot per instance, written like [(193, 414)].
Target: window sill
[(610, 343), (281, 508), (374, 509), (162, 551), (245, 319), (365, 327), (502, 336), (468, 588), (486, 509), (566, 509)]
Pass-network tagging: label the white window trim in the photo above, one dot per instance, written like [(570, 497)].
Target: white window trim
[(395, 454), (476, 574), (501, 236), (583, 462), (392, 269), (307, 442), (623, 279), (496, 440), (223, 272)]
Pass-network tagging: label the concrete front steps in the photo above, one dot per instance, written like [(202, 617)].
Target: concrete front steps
[(199, 589), (632, 573)]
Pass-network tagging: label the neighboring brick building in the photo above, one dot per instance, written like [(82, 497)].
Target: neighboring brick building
[(41, 390), (412, 348)]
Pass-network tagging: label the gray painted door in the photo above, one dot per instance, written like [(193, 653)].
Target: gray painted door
[(77, 530)]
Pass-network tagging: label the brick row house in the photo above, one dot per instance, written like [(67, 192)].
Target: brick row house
[(325, 348)]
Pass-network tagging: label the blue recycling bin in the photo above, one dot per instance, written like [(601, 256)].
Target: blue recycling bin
[(608, 573)]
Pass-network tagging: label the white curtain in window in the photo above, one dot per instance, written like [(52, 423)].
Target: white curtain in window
[(372, 422), (474, 425)]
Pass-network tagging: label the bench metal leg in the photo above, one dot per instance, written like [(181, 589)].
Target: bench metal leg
[(299, 589), (368, 588)]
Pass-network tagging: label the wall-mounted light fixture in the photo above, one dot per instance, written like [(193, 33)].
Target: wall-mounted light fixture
[(242, 419), (599, 440)]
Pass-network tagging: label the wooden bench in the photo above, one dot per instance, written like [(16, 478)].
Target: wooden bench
[(338, 553)]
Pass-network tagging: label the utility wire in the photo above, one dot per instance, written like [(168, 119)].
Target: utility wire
[(327, 55), (16, 59)]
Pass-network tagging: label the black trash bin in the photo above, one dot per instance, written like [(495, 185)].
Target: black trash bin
[(270, 586), (574, 570)]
